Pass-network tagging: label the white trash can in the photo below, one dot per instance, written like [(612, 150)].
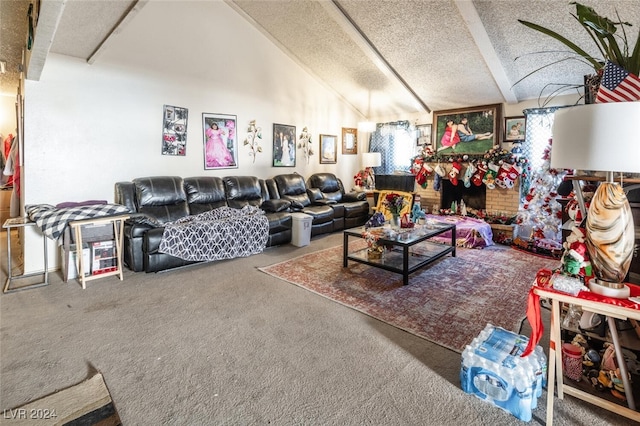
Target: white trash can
[(301, 229)]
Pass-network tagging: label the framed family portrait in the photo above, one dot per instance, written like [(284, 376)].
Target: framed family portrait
[(514, 128), (284, 145), (328, 151), (220, 141), (471, 131), (349, 141), (174, 130), (423, 134)]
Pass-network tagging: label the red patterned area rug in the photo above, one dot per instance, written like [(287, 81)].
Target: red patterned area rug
[(447, 303)]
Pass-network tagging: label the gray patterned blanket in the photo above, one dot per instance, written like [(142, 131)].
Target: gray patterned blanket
[(223, 233)]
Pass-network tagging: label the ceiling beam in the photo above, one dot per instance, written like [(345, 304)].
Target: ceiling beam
[(357, 35), (126, 19), (479, 34), (48, 20)]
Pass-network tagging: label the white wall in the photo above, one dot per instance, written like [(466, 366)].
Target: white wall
[(89, 126)]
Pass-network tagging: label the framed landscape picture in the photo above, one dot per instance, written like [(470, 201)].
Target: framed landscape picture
[(328, 152), (220, 141), (174, 130), (471, 131), (349, 141), (284, 145), (514, 128)]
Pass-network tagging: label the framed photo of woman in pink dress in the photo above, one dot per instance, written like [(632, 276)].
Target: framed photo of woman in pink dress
[(220, 141)]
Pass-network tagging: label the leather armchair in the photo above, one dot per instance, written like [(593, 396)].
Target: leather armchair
[(350, 209)]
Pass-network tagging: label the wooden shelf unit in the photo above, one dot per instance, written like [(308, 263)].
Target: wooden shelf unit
[(118, 230)]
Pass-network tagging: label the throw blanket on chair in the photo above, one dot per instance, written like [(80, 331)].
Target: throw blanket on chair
[(52, 221), (223, 233)]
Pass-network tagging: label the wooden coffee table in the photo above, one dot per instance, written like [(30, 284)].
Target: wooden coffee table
[(407, 251)]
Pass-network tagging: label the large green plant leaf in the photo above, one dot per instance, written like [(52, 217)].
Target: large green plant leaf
[(602, 31)]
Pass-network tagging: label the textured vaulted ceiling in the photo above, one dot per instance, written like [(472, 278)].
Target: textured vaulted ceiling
[(384, 57)]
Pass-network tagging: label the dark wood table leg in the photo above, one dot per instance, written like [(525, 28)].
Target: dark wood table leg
[(453, 241), (405, 265), (345, 251)]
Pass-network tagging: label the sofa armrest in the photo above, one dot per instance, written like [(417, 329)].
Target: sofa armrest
[(143, 219), (354, 196), (275, 206)]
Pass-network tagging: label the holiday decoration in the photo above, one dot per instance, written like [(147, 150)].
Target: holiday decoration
[(540, 211), (437, 179), (468, 174), (490, 176), (454, 172)]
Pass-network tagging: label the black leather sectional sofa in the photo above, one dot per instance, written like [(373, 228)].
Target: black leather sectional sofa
[(156, 200)]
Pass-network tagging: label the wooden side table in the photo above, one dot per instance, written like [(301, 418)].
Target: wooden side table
[(22, 222), (118, 231), (611, 312)]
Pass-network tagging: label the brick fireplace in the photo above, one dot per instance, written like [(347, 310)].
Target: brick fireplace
[(497, 200)]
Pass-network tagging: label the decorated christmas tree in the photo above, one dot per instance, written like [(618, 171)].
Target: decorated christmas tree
[(540, 212)]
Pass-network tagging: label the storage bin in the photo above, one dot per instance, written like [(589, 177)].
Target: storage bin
[(493, 370), (301, 229)]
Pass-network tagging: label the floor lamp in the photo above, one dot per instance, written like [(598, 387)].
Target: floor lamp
[(369, 161), (603, 137)]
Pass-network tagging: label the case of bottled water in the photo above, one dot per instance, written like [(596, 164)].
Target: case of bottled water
[(493, 370)]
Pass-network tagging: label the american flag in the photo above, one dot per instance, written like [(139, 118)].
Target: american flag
[(618, 85)]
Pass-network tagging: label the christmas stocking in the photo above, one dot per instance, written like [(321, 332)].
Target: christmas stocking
[(478, 176), (454, 172), (423, 174), (490, 177), (437, 178), (507, 174), (468, 174)]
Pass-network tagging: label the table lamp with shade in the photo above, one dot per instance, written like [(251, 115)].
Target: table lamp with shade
[(603, 137), (370, 160)]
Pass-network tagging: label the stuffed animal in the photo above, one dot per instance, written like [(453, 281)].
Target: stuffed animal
[(417, 214)]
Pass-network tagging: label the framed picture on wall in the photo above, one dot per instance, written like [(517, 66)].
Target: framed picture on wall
[(472, 131), (284, 145), (220, 141), (423, 134), (328, 151), (514, 128), (174, 130), (349, 141)]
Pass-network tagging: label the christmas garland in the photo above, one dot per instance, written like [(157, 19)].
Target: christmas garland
[(497, 167)]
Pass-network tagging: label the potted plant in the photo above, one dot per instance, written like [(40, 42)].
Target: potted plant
[(612, 46)]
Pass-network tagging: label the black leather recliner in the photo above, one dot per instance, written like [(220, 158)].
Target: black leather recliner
[(241, 191), (350, 209), (291, 187)]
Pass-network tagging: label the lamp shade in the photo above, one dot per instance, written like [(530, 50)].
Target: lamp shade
[(598, 137), (371, 159), (367, 126)]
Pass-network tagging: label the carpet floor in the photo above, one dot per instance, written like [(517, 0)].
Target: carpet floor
[(448, 302), (226, 344)]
